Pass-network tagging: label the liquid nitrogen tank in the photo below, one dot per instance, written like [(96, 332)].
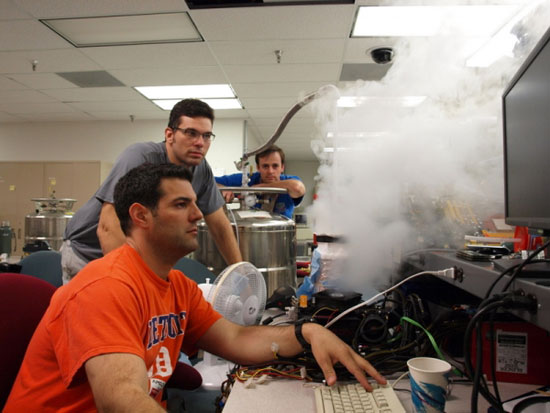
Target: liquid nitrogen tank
[(49, 220), (267, 240)]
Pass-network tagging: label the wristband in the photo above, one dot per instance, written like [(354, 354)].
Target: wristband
[(300, 337)]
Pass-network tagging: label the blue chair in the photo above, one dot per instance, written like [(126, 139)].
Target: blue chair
[(194, 270), (45, 265)]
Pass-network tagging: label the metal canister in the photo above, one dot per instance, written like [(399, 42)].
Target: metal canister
[(267, 240), (6, 236), (49, 221)]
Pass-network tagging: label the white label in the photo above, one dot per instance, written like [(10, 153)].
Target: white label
[(511, 352)]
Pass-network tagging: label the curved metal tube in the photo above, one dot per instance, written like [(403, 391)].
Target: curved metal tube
[(323, 90)]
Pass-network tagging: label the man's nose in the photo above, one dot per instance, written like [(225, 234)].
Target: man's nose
[(196, 214)]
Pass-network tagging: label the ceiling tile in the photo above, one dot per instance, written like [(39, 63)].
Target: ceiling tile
[(28, 35), (259, 103), (8, 84), (170, 75), (29, 108), (60, 60), (42, 81), (115, 106), (281, 73), (294, 89), (263, 23), (158, 56), (99, 94), (80, 8), (292, 51), (23, 96)]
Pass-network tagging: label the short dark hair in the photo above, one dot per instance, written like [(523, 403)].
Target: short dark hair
[(142, 185), (269, 151), (193, 108)]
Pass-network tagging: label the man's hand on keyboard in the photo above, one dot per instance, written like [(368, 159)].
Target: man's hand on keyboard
[(328, 349)]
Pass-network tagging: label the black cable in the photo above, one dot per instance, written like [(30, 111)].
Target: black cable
[(524, 263), (492, 357), (508, 270), (512, 300), (467, 357)]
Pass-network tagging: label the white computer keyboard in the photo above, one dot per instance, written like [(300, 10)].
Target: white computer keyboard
[(354, 398)]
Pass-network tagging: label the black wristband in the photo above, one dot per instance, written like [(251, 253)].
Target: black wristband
[(300, 337)]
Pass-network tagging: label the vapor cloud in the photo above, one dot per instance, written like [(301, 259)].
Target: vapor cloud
[(398, 174)]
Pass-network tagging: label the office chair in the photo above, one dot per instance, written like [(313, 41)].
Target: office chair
[(45, 265), (23, 301), (194, 270)]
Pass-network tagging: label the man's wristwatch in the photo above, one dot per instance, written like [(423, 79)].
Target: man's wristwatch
[(299, 336)]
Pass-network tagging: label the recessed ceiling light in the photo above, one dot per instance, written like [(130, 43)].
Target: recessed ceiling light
[(471, 20), (186, 91), (126, 30), (217, 104), (502, 43)]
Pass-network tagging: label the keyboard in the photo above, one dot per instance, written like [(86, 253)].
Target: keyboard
[(354, 398)]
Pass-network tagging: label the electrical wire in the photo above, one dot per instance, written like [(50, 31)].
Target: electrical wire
[(477, 388), (375, 297), (524, 263)]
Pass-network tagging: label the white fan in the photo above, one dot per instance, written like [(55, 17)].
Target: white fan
[(239, 294)]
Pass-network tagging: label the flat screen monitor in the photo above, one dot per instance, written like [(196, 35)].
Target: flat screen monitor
[(526, 116)]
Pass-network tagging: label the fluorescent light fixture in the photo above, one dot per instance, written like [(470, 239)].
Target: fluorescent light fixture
[(186, 91), (126, 30), (474, 20), (502, 43), (220, 96), (168, 104), (404, 101)]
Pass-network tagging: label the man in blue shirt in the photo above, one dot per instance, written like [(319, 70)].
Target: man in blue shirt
[(271, 165)]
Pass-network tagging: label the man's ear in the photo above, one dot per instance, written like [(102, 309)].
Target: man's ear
[(140, 215), (169, 135)]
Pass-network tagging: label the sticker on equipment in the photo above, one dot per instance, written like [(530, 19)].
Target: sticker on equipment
[(511, 352)]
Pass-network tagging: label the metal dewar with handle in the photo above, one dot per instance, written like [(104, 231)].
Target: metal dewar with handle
[(49, 220), (266, 240)]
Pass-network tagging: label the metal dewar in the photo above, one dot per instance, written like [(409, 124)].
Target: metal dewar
[(266, 240), (49, 221)]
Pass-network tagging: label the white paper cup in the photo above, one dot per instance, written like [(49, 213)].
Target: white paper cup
[(429, 380)]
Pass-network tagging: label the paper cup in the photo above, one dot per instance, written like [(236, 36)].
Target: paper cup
[(429, 380)]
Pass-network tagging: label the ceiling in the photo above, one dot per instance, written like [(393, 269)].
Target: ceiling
[(238, 48)]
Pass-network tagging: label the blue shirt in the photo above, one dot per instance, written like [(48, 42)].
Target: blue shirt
[(284, 204)]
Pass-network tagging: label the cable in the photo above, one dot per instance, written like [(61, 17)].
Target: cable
[(512, 300), (508, 270), (524, 263), (467, 357), (445, 273)]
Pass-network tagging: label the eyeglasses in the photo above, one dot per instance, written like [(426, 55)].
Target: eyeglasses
[(195, 134)]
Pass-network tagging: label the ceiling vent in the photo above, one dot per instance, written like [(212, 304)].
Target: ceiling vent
[(96, 78)]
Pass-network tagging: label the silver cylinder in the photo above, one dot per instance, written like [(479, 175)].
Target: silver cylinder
[(47, 227), (266, 240)]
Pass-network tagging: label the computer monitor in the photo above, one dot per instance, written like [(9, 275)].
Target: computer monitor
[(526, 116)]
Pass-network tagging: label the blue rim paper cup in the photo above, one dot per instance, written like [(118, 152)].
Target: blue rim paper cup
[(429, 379)]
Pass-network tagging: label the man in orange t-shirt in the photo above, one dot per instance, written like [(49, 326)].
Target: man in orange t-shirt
[(111, 337)]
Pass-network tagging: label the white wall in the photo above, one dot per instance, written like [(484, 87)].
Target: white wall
[(306, 170), (105, 140)]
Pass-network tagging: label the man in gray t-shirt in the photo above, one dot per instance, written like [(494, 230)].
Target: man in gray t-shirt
[(95, 230)]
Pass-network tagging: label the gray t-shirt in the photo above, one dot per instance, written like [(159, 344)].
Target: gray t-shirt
[(81, 229)]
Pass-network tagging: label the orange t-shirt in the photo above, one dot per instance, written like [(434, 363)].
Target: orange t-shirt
[(116, 304)]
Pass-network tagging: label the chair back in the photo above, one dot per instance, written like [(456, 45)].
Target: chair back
[(23, 301), (194, 270), (45, 265)]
